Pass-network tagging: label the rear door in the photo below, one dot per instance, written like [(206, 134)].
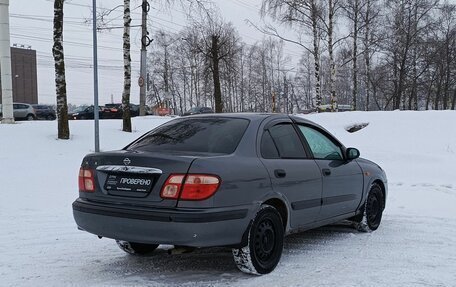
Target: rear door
[(293, 173), (342, 179)]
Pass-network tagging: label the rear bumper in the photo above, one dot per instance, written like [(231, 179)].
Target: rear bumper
[(189, 227)]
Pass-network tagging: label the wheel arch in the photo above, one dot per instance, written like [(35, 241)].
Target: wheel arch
[(281, 208), (383, 188), (277, 203), (366, 191)]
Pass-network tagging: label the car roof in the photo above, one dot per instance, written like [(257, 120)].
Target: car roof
[(249, 116), (253, 116)]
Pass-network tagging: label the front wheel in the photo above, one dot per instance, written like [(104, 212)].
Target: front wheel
[(373, 210), (30, 117), (265, 243), (136, 248)]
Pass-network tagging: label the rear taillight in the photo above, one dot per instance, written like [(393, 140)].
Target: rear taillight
[(172, 186), (199, 187), (86, 180), (195, 187)]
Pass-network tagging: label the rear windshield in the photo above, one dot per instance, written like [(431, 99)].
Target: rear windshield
[(205, 135)]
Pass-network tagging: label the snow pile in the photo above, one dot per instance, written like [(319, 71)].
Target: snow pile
[(40, 245)]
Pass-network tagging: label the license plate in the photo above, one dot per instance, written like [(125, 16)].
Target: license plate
[(128, 183)]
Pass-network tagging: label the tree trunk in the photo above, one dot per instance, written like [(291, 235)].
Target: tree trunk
[(355, 56), (367, 55), (60, 81), (453, 103), (316, 54), (413, 100), (332, 65), (126, 117), (216, 75), (438, 93), (446, 91)]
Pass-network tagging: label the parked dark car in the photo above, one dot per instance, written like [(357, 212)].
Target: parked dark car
[(44, 112), (237, 180), (85, 113), (117, 112), (22, 111), (198, 110)]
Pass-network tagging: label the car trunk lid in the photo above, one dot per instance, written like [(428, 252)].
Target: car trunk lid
[(134, 177)]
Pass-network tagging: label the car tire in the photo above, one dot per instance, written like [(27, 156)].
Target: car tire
[(373, 210), (50, 118), (136, 248), (30, 117), (264, 243)]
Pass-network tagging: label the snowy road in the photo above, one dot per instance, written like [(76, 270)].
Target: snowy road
[(45, 249), (414, 246)]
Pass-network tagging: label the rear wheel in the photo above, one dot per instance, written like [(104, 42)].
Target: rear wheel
[(373, 210), (265, 243), (136, 248)]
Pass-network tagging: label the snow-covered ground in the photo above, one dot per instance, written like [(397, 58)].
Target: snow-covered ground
[(414, 246)]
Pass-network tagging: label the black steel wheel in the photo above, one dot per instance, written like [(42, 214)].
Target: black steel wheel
[(373, 210), (136, 248), (265, 243)]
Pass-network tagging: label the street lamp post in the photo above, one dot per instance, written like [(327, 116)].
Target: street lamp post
[(95, 79)]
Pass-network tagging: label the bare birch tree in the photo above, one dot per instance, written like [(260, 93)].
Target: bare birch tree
[(303, 15), (332, 8), (126, 116), (60, 81)]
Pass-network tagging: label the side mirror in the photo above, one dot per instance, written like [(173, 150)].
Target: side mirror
[(352, 153)]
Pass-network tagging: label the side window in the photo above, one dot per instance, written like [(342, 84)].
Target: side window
[(322, 147), (268, 148), (287, 141), (16, 106)]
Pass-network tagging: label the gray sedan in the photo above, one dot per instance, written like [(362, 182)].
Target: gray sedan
[(238, 180)]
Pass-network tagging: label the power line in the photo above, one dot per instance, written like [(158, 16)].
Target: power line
[(79, 44)]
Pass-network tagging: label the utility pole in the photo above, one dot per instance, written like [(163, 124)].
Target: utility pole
[(5, 64), (285, 93), (145, 41), (165, 75)]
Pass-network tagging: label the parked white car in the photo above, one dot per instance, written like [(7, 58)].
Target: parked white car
[(22, 112)]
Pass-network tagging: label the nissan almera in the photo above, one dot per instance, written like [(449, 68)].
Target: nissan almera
[(239, 180)]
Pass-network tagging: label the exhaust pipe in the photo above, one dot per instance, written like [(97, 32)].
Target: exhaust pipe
[(180, 250)]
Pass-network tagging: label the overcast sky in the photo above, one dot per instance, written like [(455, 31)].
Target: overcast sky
[(31, 24)]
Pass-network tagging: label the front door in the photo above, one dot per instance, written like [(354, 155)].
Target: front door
[(342, 179)]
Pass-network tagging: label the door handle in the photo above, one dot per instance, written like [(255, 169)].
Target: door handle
[(280, 173), (326, 171)]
